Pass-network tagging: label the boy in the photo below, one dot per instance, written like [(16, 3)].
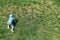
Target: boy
[(10, 22)]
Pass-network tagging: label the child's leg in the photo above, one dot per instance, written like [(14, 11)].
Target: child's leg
[(12, 26), (8, 27)]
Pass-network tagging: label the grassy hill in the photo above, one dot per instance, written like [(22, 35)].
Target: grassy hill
[(37, 19)]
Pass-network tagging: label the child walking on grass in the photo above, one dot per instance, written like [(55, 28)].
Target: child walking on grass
[(10, 23)]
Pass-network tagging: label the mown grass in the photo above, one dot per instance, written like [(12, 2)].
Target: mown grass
[(37, 19)]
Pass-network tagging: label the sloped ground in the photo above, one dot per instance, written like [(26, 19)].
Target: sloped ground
[(37, 19)]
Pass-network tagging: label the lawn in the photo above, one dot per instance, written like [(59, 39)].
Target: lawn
[(37, 19)]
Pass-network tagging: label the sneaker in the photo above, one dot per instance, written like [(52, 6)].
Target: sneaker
[(12, 31), (8, 27)]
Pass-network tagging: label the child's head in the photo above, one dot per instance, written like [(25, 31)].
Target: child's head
[(11, 15)]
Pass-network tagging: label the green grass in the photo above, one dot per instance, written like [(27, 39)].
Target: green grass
[(37, 19)]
